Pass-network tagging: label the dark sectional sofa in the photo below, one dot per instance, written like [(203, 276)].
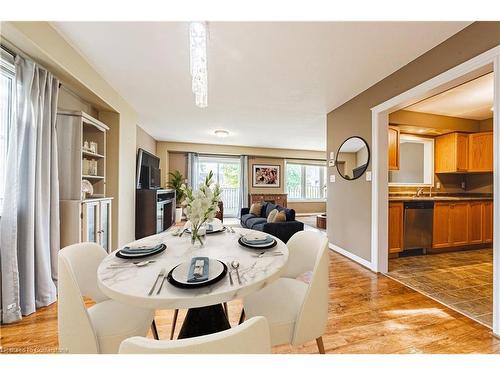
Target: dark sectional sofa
[(283, 230)]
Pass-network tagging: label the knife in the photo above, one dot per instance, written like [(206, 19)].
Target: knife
[(161, 274)]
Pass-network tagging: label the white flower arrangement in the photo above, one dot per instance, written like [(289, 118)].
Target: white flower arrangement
[(201, 205)]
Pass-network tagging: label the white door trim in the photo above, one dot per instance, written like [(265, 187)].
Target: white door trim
[(485, 62)]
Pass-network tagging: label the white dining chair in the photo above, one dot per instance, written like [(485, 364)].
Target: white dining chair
[(102, 327), (297, 311), (251, 337)]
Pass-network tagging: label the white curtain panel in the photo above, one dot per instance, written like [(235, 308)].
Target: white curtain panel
[(193, 170), (29, 233), (243, 182)]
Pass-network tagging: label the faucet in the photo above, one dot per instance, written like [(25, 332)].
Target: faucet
[(419, 191)]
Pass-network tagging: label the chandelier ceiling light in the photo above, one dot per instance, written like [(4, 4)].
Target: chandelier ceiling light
[(198, 52)]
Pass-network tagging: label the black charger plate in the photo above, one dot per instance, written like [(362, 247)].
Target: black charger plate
[(125, 256), (187, 285), (270, 246)]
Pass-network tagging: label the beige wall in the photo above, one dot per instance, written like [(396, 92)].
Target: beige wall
[(349, 203), (145, 141), (486, 125), (174, 155), (40, 41)]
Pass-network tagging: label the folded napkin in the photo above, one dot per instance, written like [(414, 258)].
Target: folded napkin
[(255, 236), (140, 249), (198, 270)]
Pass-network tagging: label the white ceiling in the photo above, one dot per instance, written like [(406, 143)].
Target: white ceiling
[(353, 145), (271, 84), (472, 100)]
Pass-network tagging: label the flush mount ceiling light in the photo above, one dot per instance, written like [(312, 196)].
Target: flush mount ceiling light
[(198, 62), (221, 133)]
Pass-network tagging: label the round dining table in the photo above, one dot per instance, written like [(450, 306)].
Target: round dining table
[(131, 284)]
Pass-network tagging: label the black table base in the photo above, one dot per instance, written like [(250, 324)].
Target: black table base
[(204, 321)]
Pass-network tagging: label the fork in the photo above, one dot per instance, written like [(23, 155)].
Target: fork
[(161, 274), (270, 254)]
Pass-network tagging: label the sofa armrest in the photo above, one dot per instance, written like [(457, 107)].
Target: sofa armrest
[(244, 211), (283, 230)]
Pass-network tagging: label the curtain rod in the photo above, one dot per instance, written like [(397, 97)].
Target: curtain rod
[(14, 54)]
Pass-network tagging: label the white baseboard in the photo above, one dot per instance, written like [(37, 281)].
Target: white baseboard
[(351, 256)]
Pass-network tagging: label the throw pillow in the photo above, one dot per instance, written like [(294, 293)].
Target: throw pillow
[(280, 217), (272, 216), (255, 209)]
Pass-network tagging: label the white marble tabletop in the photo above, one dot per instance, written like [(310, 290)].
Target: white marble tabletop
[(131, 285)]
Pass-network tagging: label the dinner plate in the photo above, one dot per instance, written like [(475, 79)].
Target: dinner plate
[(258, 246), (141, 254), (179, 274)]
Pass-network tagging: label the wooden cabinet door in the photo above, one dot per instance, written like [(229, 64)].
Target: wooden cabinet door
[(487, 221), (393, 148), (395, 227), (461, 152), (476, 222), (441, 225), (451, 153), (459, 224), (481, 152)]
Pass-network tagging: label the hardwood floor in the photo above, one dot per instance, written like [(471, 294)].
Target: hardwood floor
[(462, 280), (368, 313)]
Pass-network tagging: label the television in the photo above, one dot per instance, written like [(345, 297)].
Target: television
[(148, 170)]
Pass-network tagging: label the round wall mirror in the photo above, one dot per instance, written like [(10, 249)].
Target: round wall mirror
[(352, 158)]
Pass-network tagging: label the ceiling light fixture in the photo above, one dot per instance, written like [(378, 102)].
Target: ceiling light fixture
[(221, 133), (198, 32)]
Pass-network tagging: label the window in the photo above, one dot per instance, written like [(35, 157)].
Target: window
[(226, 172), (7, 81), (305, 181)]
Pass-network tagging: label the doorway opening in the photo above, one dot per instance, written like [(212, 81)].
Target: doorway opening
[(441, 197), (488, 62)]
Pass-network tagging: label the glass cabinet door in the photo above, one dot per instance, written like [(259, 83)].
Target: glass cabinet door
[(90, 222), (105, 225)]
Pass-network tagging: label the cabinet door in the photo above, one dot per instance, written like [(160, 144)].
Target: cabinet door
[(488, 221), (441, 225), (461, 152), (105, 225), (395, 227), (475, 222), (393, 148), (481, 152), (90, 227), (459, 224)]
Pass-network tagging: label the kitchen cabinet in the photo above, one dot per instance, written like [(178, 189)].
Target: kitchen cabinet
[(459, 224), (475, 222), (463, 223), (481, 152), (488, 221), (395, 227), (451, 153), (393, 148), (441, 225)]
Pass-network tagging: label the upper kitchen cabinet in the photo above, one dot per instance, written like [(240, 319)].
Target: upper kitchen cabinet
[(393, 148), (481, 152), (464, 153), (451, 153)]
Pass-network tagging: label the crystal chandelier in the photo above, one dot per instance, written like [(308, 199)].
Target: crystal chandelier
[(199, 72)]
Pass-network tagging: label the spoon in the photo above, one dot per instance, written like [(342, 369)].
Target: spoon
[(235, 265), (137, 264)]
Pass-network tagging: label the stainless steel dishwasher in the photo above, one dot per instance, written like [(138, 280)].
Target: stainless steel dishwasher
[(418, 217)]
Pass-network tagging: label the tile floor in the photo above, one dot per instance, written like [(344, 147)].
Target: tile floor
[(462, 280)]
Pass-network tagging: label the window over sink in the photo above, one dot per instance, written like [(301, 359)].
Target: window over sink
[(416, 164)]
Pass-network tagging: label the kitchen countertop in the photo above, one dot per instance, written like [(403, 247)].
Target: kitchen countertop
[(438, 198)]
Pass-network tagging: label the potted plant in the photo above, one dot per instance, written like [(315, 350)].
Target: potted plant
[(176, 182)]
